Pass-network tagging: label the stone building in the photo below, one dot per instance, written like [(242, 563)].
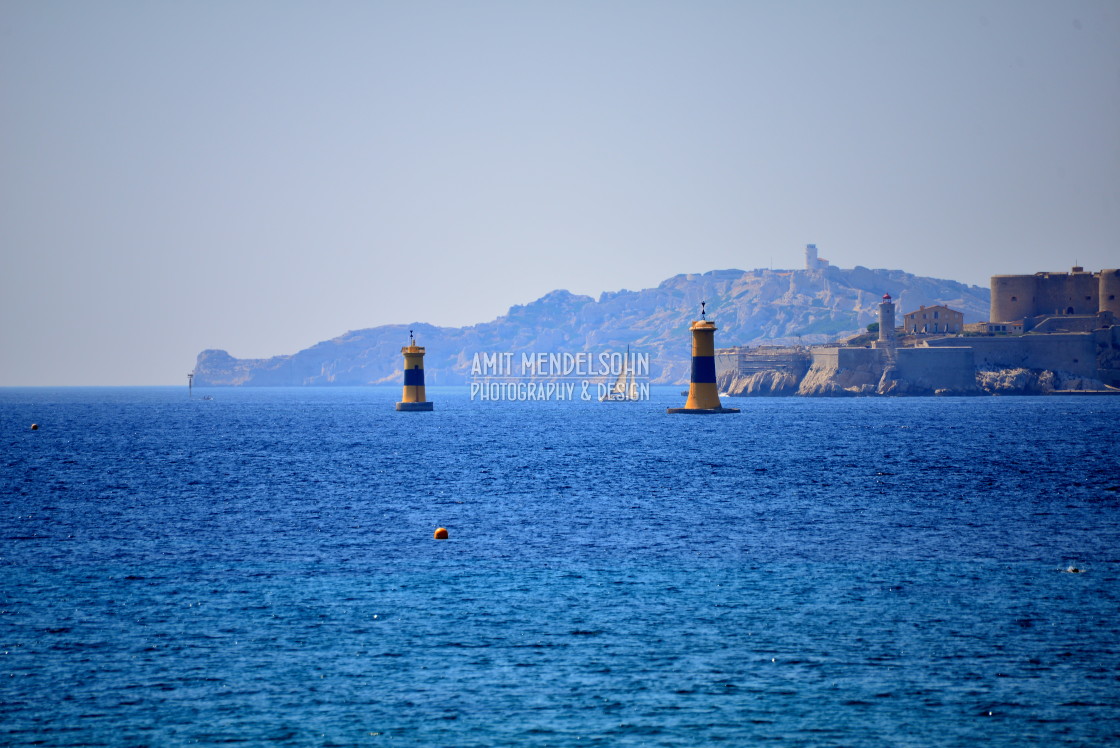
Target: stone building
[(994, 328), (934, 319)]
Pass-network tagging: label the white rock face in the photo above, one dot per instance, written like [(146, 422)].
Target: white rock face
[(762, 384), (1034, 382), (828, 381)]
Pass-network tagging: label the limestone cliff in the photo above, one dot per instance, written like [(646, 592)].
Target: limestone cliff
[(828, 380), (1019, 381), (760, 384)]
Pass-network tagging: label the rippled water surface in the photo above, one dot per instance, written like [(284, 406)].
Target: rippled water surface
[(260, 567)]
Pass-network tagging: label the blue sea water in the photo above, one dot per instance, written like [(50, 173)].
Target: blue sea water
[(260, 568)]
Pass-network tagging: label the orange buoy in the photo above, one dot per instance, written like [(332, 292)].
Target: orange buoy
[(34, 427), (441, 533)]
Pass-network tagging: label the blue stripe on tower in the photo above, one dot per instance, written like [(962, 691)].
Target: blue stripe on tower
[(415, 377), (704, 369)]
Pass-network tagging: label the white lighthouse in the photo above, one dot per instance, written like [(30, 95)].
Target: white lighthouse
[(886, 320)]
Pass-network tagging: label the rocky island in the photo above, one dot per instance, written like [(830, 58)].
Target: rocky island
[(1047, 333)]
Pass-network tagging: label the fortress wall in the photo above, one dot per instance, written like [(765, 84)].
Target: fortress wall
[(727, 363), (1109, 291), (842, 371), (1066, 293), (838, 359), (826, 358), (1013, 297), (1071, 352), (1067, 323), (748, 361), (1108, 355), (938, 368), (832, 361), (857, 358)]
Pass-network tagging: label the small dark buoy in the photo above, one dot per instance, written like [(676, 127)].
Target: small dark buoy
[(34, 427), (441, 533)]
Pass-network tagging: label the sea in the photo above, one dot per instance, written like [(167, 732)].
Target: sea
[(258, 566)]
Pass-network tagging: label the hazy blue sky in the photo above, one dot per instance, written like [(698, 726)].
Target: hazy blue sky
[(259, 176)]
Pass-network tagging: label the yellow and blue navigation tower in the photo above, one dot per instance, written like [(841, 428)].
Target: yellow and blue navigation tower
[(413, 397), (703, 395)]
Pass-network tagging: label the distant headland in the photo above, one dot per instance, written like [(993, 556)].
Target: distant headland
[(755, 307), (816, 331)]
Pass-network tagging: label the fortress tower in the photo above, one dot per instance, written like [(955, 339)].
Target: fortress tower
[(413, 398), (703, 395), (1110, 291)]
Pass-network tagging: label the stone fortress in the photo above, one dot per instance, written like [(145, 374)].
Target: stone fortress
[(1047, 333), (1058, 302)]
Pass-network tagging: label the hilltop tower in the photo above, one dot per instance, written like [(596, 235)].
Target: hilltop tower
[(703, 395), (812, 261), (413, 398)]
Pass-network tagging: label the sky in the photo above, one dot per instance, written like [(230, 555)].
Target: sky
[(261, 176)]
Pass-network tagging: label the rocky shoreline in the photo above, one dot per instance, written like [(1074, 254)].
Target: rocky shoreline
[(865, 382)]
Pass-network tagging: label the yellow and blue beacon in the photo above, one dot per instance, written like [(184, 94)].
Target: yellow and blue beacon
[(703, 393), (413, 398)]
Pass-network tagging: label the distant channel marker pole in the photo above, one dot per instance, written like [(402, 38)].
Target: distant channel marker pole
[(703, 394), (413, 397)]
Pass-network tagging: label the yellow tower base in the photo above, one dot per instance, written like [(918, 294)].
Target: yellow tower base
[(703, 393), (702, 411), (414, 406)]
